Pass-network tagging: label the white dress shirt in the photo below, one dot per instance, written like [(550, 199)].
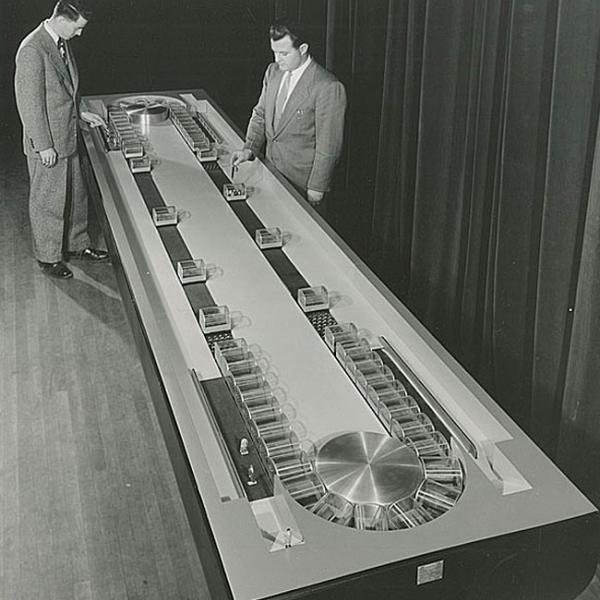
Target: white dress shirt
[(294, 78)]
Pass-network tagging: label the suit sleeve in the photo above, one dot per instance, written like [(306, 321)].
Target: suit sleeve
[(255, 135), (30, 92), (330, 108)]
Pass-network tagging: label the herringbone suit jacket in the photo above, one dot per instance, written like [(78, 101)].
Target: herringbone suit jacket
[(307, 142), (47, 95)]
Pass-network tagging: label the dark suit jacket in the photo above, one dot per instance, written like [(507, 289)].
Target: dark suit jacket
[(47, 98), (308, 140)]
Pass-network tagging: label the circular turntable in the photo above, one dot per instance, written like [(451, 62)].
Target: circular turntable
[(151, 100), (372, 481), (148, 109), (369, 468)]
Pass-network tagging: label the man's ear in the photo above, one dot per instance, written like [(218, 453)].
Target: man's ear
[(303, 49)]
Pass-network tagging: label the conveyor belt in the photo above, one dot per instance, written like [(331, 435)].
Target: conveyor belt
[(197, 294), (276, 257), (281, 264)]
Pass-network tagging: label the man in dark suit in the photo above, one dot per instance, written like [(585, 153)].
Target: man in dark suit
[(46, 89), (299, 116)]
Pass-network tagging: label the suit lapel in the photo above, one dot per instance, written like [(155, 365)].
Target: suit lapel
[(298, 95), (56, 59)]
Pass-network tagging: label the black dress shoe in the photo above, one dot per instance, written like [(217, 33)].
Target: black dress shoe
[(57, 269), (90, 254)]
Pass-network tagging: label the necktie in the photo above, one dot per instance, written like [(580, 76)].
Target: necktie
[(62, 48), (281, 98)]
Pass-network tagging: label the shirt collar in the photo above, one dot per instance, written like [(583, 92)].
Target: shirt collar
[(297, 72), (51, 31)]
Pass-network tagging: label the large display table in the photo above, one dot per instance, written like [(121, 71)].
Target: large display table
[(325, 445)]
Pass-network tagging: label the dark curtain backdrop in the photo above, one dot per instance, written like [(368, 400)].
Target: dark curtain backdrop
[(579, 449), (470, 139)]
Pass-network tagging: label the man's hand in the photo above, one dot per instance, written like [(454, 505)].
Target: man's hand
[(240, 156), (48, 157), (314, 197), (92, 119)]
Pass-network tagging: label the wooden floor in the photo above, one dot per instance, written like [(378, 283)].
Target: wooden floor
[(89, 508)]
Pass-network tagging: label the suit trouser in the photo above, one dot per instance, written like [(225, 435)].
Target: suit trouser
[(58, 208)]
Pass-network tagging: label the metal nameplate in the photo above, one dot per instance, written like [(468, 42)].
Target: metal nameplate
[(430, 572)]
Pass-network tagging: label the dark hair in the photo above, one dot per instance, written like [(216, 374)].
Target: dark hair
[(281, 28), (72, 9)]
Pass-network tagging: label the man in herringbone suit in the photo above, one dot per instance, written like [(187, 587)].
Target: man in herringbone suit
[(46, 89)]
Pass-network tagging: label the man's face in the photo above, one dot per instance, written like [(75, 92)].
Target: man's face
[(69, 29), (286, 56)]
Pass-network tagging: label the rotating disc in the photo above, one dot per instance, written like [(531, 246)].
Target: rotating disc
[(369, 468)]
